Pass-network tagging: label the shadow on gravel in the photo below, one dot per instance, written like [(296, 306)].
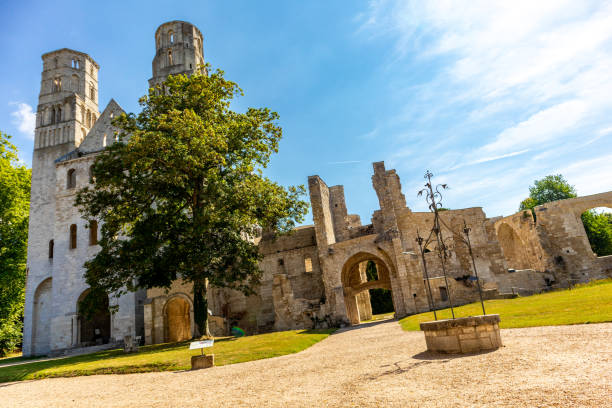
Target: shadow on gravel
[(364, 325), (429, 355)]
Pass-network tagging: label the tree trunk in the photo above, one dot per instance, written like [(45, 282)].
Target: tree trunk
[(200, 310)]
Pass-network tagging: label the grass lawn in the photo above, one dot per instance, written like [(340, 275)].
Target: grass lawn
[(167, 357), (589, 303)]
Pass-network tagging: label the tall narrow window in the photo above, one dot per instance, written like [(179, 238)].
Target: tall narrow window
[(73, 236), (71, 179), (91, 176), (308, 264), (93, 232), (170, 57), (171, 37), (51, 249)]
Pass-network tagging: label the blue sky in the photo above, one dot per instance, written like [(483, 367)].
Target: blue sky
[(487, 95)]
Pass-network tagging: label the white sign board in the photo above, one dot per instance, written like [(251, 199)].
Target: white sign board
[(200, 344)]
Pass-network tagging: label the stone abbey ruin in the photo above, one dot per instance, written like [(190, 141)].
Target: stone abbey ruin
[(315, 277)]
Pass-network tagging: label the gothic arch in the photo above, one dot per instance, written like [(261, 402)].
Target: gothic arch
[(179, 321), (355, 283), (96, 329), (41, 319)]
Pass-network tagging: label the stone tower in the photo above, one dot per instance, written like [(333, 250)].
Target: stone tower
[(67, 109), (178, 50)]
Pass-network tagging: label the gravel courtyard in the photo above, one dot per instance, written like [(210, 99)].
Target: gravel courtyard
[(375, 364)]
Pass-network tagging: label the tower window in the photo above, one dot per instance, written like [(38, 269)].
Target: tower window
[(51, 244), (73, 236), (170, 57), (93, 232), (92, 92), (57, 85), (171, 37), (71, 179)]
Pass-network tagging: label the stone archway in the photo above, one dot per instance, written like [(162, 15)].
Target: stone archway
[(41, 327), (177, 313), (356, 285), (95, 328)]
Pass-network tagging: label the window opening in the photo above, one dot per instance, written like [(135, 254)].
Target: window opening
[(93, 232), (73, 236), (71, 178)]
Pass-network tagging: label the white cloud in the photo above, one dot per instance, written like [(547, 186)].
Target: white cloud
[(24, 118), (523, 80)]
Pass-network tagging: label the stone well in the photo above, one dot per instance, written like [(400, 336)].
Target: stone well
[(463, 335)]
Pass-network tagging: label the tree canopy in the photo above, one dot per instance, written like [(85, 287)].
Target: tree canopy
[(551, 188), (14, 213), (182, 195)]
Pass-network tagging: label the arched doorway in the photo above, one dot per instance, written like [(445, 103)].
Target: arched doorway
[(365, 277), (177, 319), (94, 325), (41, 318)]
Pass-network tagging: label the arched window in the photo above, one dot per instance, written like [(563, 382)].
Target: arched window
[(73, 236), (104, 141), (93, 232), (88, 123), (59, 114), (171, 37), (57, 84), (92, 92), (170, 57), (71, 179), (52, 116), (51, 249)]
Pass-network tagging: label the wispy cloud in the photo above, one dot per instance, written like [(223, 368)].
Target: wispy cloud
[(525, 81), (24, 118)]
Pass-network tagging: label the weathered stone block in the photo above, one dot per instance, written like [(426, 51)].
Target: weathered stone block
[(205, 361)]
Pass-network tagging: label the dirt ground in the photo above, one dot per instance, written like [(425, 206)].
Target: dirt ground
[(375, 364)]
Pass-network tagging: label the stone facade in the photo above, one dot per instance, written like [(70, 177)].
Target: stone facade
[(314, 277)]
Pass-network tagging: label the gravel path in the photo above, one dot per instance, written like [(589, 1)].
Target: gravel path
[(375, 364)]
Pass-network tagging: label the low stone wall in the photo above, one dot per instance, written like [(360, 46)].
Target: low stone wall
[(463, 335)]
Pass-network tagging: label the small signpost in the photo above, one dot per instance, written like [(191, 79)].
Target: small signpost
[(202, 361), (201, 345)]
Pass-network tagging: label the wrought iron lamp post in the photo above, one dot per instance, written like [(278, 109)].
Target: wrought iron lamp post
[(433, 196)]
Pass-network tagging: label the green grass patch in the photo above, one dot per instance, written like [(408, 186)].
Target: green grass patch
[(167, 357), (588, 303)]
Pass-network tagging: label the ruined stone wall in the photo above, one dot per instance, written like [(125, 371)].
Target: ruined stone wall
[(565, 246)]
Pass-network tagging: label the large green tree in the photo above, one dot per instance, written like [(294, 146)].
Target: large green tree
[(598, 226), (14, 212), (551, 188), (182, 195)]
